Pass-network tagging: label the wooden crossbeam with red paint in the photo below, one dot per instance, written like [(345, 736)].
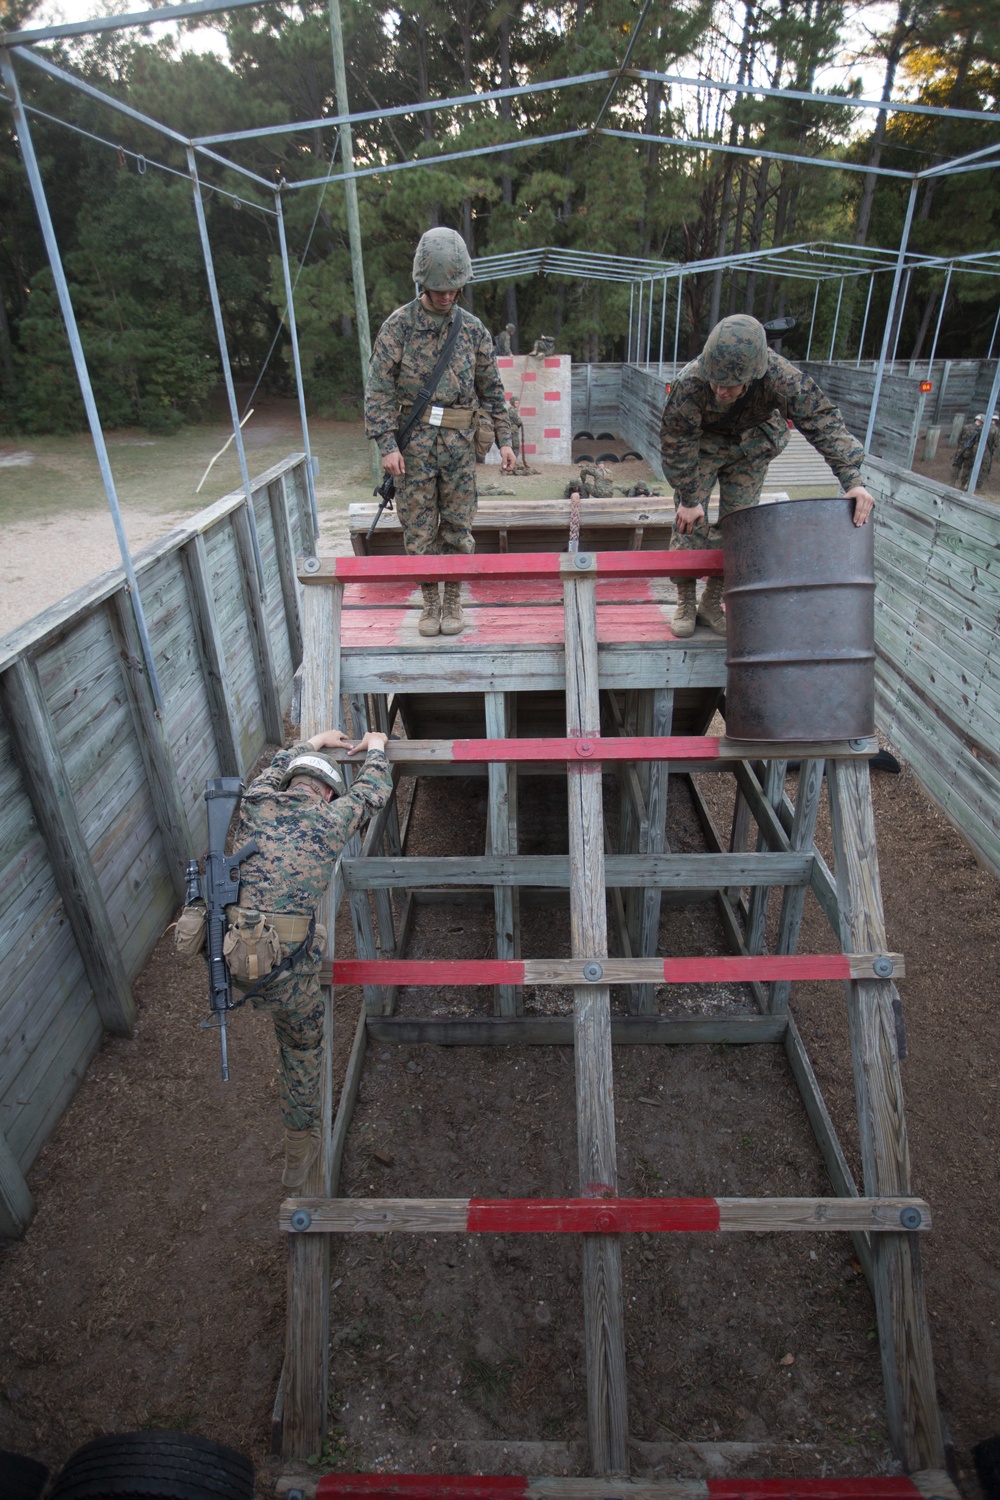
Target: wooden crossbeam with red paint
[(594, 749), (512, 565), (603, 1215), (527, 1487), (712, 969)]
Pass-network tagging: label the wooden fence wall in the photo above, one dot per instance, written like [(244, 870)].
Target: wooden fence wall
[(596, 396), (937, 623), (102, 799)]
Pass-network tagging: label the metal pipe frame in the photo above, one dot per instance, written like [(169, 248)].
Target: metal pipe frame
[(899, 317), (31, 167), (900, 260), (297, 363), (227, 374), (993, 336), (864, 320), (940, 316), (436, 161), (836, 318), (663, 321), (115, 23), (631, 304), (812, 321)]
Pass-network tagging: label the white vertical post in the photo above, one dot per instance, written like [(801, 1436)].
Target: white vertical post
[(677, 324), (836, 319), (663, 322), (864, 320), (812, 321), (897, 277), (937, 326)]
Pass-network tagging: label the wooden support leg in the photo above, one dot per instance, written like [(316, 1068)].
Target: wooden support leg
[(604, 1328), (662, 709), (793, 900), (739, 833), (368, 944), (904, 1336), (774, 790), (508, 1002)]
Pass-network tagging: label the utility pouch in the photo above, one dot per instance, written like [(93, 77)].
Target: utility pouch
[(251, 949), (482, 427), (189, 931)]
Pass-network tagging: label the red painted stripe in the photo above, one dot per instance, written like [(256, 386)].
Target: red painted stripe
[(553, 395), (528, 411), (530, 448), (429, 971), (592, 1215), (893, 1488), (529, 375), (525, 565), (553, 364), (506, 363), (739, 970), (420, 1486), (552, 432), (627, 747)]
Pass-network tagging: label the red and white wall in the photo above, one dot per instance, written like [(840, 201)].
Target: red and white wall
[(543, 387)]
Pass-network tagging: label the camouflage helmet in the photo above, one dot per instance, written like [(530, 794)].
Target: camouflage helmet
[(319, 768), (735, 351), (442, 262)]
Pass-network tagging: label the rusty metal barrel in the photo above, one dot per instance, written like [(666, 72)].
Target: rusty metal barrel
[(800, 610)]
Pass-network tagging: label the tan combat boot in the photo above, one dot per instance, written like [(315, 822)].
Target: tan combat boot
[(684, 614), (710, 609), (452, 618), (430, 616), (301, 1150)]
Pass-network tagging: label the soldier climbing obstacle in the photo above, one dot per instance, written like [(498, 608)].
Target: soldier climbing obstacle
[(436, 483), (301, 814), (725, 419)]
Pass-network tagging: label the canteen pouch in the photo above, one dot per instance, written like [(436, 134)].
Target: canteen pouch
[(482, 426), (189, 931), (251, 950)]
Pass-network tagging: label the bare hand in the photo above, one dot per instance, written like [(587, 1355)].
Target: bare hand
[(393, 464), (688, 516), (508, 462), (329, 739), (864, 503), (373, 740)]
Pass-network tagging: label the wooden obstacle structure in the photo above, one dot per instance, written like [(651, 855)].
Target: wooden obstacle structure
[(586, 635)]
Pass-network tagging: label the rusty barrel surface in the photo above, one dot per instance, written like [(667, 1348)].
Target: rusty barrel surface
[(800, 608)]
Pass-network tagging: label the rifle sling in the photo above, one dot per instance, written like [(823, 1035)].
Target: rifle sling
[(426, 392)]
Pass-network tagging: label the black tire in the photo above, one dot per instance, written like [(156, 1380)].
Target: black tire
[(155, 1466), (584, 458), (583, 437), (607, 458), (606, 437), (21, 1478), (884, 761), (631, 454)]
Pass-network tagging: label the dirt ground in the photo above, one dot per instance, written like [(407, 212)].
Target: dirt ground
[(150, 1289)]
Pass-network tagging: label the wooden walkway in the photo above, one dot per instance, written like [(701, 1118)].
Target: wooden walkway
[(579, 646)]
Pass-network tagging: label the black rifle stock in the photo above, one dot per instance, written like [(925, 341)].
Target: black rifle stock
[(219, 887), (386, 492)]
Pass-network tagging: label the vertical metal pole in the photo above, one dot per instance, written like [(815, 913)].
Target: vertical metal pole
[(996, 325), (937, 326), (638, 329), (864, 320), (649, 320), (227, 374), (663, 322), (80, 363), (836, 319), (897, 277), (812, 321), (290, 299), (991, 407), (353, 218), (899, 320), (631, 304), (677, 325)]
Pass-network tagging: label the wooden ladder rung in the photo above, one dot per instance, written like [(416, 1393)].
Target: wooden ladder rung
[(724, 969)]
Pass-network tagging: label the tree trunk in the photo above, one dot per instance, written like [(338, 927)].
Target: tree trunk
[(897, 43)]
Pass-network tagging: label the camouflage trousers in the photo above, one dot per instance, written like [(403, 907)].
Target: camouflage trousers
[(295, 1005), (740, 475), (436, 498)]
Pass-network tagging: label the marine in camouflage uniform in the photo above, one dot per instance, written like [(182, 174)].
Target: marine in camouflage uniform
[(594, 483), (965, 452), (725, 419), (436, 481), (503, 346), (300, 832)]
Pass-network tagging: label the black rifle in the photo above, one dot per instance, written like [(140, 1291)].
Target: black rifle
[(387, 489), (219, 887)]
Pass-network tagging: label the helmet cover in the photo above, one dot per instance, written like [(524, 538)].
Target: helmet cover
[(320, 768), (735, 351), (442, 262)]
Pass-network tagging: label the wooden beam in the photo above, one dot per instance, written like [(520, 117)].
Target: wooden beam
[(212, 654), (17, 1207), (589, 749), (258, 630), (663, 871), (154, 744), (597, 974), (557, 1031), (509, 998), (601, 1216), (930, 1484), (50, 791), (802, 837), (284, 551), (513, 566), (604, 1324), (904, 1335), (656, 807)]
